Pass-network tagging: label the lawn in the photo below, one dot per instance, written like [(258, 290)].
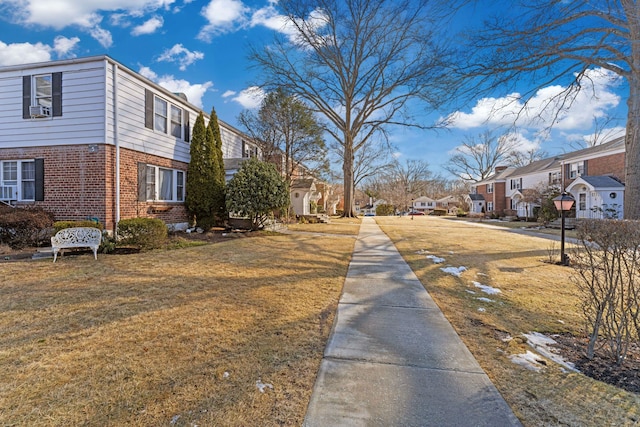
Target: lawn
[(222, 334), (349, 226), (535, 296)]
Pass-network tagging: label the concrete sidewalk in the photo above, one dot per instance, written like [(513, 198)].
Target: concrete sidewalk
[(392, 358)]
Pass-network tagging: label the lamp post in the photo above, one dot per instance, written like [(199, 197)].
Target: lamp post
[(411, 209), (563, 203)]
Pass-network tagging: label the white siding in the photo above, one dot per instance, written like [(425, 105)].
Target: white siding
[(82, 120)]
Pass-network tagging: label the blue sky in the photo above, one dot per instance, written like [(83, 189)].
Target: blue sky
[(200, 48)]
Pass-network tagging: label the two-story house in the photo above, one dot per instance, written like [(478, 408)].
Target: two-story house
[(90, 138), (598, 170)]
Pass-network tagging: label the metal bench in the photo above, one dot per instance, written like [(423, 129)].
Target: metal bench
[(76, 237)]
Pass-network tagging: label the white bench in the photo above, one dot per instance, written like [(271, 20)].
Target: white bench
[(76, 237)]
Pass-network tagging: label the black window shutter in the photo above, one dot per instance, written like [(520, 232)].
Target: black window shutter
[(585, 172), (26, 96), (56, 94), (567, 171), (39, 163), (187, 135), (243, 149), (148, 109), (142, 182)]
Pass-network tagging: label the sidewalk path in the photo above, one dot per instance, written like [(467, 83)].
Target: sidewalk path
[(392, 358)]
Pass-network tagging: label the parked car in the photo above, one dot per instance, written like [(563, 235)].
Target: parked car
[(414, 213)]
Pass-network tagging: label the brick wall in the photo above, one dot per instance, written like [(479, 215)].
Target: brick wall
[(607, 165), (79, 183)]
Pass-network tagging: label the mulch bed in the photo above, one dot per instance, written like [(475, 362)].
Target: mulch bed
[(602, 367)]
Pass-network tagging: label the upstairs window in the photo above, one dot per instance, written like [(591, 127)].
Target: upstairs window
[(490, 188), (577, 169), (42, 96), (164, 117)]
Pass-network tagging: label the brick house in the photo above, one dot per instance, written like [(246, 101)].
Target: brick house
[(507, 191), (90, 138)]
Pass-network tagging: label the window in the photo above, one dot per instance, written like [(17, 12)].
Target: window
[(160, 184), (44, 91), (554, 178), (577, 169), (490, 188), (516, 184), (176, 121), (160, 115), (18, 180), (489, 206), (582, 201)]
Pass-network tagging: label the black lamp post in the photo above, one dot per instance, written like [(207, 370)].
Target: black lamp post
[(563, 203), (412, 209)]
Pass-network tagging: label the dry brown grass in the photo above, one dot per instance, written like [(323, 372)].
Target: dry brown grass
[(169, 337), (536, 296), (349, 226)]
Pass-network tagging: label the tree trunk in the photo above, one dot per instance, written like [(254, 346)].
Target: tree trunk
[(347, 170), (632, 148)]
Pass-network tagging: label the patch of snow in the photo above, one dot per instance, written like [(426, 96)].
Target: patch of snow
[(470, 291), (528, 360), (451, 252), (261, 386), (225, 375), (486, 289), (542, 344), (422, 252), (435, 259), (483, 299), (561, 321), (175, 419), (482, 274), (481, 309), (454, 271)]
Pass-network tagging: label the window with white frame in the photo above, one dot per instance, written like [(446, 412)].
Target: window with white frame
[(490, 188), (163, 184), (18, 180), (516, 184), (577, 169), (582, 201), (489, 206), (176, 121), (160, 115), (42, 90)]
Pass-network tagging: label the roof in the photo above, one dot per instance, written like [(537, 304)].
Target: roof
[(600, 182), (306, 183), (423, 199), (476, 197)]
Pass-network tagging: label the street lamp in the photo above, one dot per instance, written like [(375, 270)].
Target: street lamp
[(411, 209), (564, 202)]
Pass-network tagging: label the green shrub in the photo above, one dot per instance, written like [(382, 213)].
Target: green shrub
[(61, 225), (144, 233), (439, 212)]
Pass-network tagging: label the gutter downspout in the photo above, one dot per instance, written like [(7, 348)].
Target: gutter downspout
[(116, 141)]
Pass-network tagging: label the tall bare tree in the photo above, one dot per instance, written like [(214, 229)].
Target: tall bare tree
[(402, 182), (359, 63), (286, 127), (518, 158), (477, 157), (549, 40)]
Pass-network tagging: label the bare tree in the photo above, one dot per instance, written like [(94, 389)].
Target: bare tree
[(476, 159), (519, 158), (358, 63), (402, 182), (545, 41), (371, 160), (286, 127)]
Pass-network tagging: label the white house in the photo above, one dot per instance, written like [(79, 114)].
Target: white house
[(423, 204), (597, 197)]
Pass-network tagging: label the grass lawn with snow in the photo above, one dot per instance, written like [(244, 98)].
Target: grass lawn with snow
[(499, 291), (222, 334)]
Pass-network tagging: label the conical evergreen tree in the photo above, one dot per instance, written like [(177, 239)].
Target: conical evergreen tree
[(199, 199), (218, 183)]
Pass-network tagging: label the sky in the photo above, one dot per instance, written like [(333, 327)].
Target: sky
[(200, 48)]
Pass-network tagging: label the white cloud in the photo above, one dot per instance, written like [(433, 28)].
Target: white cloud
[(229, 93), (250, 98), (223, 16), (26, 53), (542, 110), (148, 27), (181, 55), (194, 92), (63, 46), (86, 14)]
